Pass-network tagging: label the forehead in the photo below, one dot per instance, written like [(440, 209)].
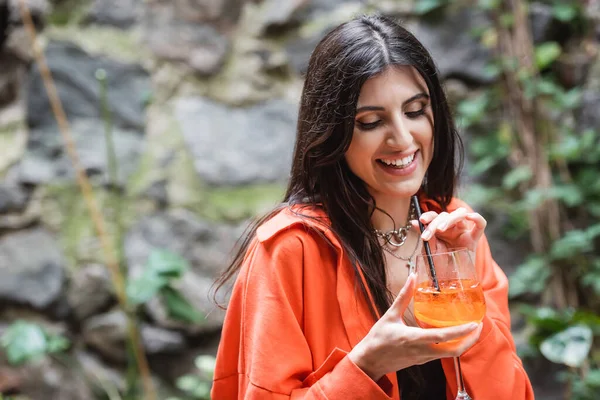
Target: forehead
[(395, 84)]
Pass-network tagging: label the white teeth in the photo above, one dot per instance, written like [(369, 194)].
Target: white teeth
[(401, 163)]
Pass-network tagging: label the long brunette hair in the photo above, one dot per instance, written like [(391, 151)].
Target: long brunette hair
[(340, 64)]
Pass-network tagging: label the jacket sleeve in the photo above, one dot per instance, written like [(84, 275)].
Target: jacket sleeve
[(491, 368), (263, 353)]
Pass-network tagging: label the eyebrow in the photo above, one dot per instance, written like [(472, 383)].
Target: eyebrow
[(417, 96)]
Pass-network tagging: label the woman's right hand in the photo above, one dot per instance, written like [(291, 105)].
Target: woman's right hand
[(391, 345)]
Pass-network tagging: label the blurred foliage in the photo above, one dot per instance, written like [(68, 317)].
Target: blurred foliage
[(25, 341), (197, 386), (563, 336), (162, 269)]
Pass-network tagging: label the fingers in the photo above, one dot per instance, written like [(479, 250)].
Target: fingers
[(460, 218), (404, 298), (468, 342), (440, 335)]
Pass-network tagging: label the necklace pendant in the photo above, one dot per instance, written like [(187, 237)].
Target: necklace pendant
[(410, 265)]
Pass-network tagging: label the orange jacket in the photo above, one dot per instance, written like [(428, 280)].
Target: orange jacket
[(295, 313)]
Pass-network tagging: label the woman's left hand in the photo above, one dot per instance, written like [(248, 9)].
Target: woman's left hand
[(458, 229)]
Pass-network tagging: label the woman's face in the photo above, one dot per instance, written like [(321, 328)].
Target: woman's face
[(392, 142)]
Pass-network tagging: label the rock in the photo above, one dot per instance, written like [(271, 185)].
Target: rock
[(318, 17), (206, 248), (11, 78), (278, 13), (589, 117), (30, 277), (46, 160), (74, 73), (541, 19), (12, 198), (204, 245), (53, 379), (107, 334), (177, 37), (255, 143), (13, 135), (455, 51), (158, 340), (118, 13), (95, 371), (90, 290)]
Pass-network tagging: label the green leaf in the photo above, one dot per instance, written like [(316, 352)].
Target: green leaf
[(546, 54), (145, 287), (471, 110), (488, 4), (545, 318), (188, 383), (25, 341), (571, 99), (179, 307), (424, 6), (573, 243), (516, 176), (569, 347), (484, 165), (206, 365), (564, 12), (57, 344), (530, 277), (167, 263)]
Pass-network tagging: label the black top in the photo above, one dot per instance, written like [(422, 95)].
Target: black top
[(434, 387)]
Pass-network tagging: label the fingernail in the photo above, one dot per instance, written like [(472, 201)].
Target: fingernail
[(472, 325), (426, 234)]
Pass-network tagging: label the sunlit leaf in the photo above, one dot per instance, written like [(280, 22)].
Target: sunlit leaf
[(574, 242), (425, 6), (206, 364), (142, 289), (564, 12), (530, 277), (488, 4), (569, 347), (516, 176), (179, 307), (546, 54), (164, 262), (25, 341)]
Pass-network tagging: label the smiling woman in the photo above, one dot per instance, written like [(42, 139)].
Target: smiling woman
[(322, 304)]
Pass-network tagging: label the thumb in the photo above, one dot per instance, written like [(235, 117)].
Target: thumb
[(403, 299)]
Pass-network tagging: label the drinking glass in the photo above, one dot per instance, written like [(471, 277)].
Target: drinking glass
[(457, 300)]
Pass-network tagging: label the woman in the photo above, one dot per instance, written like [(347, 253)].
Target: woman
[(321, 306)]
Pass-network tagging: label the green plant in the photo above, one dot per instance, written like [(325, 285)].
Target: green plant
[(197, 386), (162, 269), (26, 341), (541, 172)]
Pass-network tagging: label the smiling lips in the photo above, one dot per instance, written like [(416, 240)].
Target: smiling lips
[(400, 163)]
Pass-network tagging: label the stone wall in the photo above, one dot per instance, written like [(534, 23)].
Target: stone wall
[(203, 98)]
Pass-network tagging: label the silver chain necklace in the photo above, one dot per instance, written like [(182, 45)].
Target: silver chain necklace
[(410, 263), (397, 238)]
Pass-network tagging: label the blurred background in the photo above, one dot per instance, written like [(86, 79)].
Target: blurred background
[(138, 137)]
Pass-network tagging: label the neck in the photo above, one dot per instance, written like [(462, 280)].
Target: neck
[(397, 208)]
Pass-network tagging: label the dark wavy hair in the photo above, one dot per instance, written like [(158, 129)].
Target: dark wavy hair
[(340, 64)]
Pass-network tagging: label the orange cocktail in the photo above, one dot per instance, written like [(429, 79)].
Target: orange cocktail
[(459, 301)]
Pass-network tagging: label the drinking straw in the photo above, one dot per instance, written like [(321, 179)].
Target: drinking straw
[(415, 202)]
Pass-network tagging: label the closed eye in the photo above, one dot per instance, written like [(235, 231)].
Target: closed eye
[(415, 114), (366, 126)]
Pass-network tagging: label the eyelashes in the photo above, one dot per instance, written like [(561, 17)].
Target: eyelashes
[(367, 126)]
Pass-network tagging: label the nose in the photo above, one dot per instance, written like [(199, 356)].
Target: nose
[(399, 135)]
